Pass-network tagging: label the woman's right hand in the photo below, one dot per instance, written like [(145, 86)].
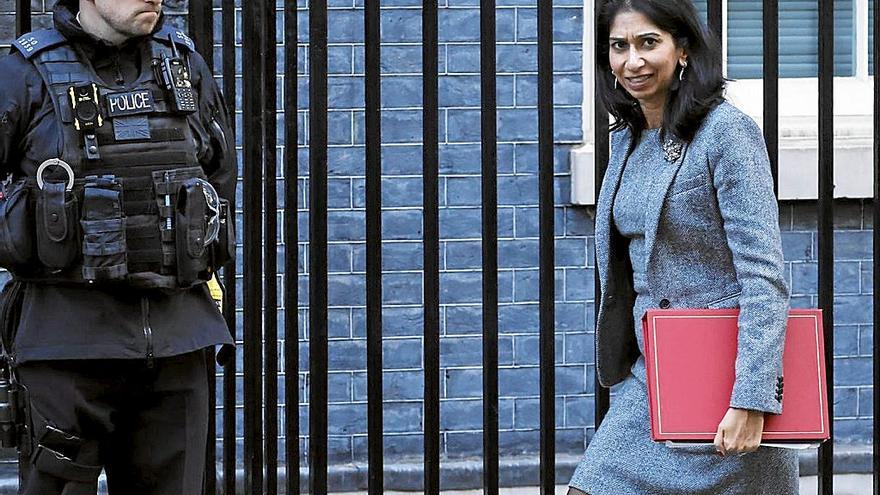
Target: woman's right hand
[(739, 432)]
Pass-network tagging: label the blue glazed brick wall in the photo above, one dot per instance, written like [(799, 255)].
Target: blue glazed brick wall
[(461, 416), (853, 298)]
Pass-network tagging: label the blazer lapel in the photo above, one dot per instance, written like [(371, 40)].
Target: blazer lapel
[(655, 199), (605, 205)]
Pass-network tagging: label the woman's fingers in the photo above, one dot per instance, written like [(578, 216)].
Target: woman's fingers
[(753, 442), (719, 441), (739, 432)]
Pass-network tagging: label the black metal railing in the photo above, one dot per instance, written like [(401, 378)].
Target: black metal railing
[(22, 17), (489, 179), (430, 240), (373, 170), (826, 218), (259, 300)]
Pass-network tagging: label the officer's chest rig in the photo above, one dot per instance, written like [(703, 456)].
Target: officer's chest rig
[(126, 202)]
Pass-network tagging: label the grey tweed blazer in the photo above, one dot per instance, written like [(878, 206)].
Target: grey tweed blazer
[(711, 241)]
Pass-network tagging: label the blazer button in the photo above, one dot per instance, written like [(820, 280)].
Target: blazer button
[(664, 304)]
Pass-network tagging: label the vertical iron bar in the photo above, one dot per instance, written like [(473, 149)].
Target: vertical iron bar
[(826, 220), (22, 17), (771, 86), (291, 251), (490, 246), (200, 18), (211, 454), (318, 246), (876, 229), (546, 252), (373, 135), (253, 296), (229, 299), (201, 28), (270, 246), (600, 152), (431, 243), (715, 15)]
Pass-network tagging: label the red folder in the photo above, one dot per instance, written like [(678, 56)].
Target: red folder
[(690, 356)]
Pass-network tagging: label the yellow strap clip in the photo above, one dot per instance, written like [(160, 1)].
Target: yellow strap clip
[(216, 290)]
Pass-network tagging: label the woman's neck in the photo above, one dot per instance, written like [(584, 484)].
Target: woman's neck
[(653, 112)]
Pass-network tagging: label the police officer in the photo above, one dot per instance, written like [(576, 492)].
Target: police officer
[(121, 171)]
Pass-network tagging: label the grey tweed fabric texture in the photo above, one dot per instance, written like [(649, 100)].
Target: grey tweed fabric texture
[(698, 232)]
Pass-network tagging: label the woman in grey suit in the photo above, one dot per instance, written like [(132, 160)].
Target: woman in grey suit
[(686, 218)]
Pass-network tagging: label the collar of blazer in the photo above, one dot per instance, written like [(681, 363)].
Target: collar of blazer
[(620, 151)]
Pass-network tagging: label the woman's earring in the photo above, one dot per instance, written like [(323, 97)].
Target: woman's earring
[(681, 74), (615, 79)]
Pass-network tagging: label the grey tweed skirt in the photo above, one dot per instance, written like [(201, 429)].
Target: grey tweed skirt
[(622, 459)]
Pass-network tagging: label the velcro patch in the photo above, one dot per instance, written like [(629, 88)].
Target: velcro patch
[(129, 103), (131, 128)]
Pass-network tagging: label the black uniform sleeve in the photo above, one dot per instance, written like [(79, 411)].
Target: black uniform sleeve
[(219, 160), (21, 94)]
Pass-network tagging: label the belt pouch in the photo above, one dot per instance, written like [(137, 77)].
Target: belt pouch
[(103, 226), (57, 226), (191, 229), (16, 225), (223, 249), (165, 184)]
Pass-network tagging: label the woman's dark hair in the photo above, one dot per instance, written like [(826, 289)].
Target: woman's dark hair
[(689, 101)]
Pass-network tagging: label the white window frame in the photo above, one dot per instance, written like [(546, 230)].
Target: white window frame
[(798, 123)]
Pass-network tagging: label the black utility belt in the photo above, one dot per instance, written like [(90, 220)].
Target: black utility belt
[(174, 233)]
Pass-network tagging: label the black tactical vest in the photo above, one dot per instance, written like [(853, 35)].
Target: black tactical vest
[(132, 207)]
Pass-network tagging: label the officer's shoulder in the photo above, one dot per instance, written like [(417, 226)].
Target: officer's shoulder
[(30, 44), (168, 34), (20, 81)]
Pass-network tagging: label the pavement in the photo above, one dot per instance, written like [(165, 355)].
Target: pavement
[(844, 484), (847, 459)]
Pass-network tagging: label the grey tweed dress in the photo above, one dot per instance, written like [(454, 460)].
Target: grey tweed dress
[(622, 458)]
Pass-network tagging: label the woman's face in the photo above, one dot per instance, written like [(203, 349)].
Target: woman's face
[(643, 58)]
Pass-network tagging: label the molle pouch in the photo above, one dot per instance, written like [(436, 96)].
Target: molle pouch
[(191, 230), (57, 226), (16, 224), (166, 184), (103, 228), (223, 249)]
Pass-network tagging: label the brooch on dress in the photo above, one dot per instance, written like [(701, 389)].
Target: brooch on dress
[(672, 149)]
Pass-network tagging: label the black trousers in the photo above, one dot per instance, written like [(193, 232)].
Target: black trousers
[(145, 426)]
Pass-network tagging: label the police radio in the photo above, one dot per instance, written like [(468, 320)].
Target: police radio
[(173, 74), (87, 115)]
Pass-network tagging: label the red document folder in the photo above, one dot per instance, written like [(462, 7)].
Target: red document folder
[(690, 356)]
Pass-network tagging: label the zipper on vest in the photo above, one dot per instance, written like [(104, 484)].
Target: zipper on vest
[(120, 79), (148, 332)]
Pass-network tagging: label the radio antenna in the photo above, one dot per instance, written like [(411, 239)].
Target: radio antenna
[(173, 46)]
